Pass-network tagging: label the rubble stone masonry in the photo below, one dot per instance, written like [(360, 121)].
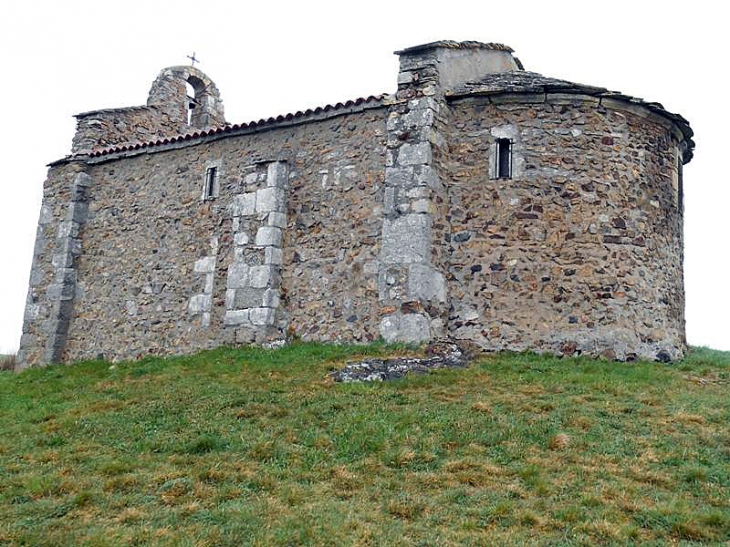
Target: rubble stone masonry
[(168, 230), (582, 249)]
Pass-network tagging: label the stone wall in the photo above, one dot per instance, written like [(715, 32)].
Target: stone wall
[(332, 242), (581, 250), (164, 270), (377, 218), (135, 124)]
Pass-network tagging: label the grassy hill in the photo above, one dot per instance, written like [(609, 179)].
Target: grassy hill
[(239, 447)]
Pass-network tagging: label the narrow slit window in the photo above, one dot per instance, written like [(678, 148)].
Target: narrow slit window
[(211, 174), (503, 167)]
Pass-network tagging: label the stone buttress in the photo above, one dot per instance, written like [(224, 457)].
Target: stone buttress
[(52, 288), (416, 232), (253, 284), (411, 285)]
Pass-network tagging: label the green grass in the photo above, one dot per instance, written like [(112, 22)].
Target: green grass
[(256, 447)]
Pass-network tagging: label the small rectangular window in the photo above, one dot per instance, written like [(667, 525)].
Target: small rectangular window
[(503, 157), (211, 174)]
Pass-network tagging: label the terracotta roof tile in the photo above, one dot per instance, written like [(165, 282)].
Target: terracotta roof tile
[(199, 133)]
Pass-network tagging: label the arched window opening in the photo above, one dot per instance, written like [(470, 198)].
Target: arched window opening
[(190, 101)]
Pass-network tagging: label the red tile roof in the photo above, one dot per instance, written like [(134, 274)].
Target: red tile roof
[(378, 99)]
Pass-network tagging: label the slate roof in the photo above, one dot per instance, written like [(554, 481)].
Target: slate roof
[(525, 82), (451, 44)]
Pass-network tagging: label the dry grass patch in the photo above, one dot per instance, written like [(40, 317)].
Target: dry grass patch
[(256, 447), (686, 419), (481, 406), (561, 441)]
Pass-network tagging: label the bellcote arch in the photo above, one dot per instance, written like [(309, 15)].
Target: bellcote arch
[(169, 95)]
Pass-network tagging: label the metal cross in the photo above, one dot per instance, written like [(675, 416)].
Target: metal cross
[(193, 60)]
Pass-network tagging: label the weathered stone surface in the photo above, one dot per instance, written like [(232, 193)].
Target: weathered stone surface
[(238, 276), (205, 265), (415, 154), (277, 219), (261, 276), (268, 236), (561, 249), (411, 328), (237, 317), (426, 284), (412, 263), (406, 239), (261, 316), (356, 222), (270, 199), (273, 255), (244, 204), (270, 298), (241, 238), (247, 298), (165, 114), (199, 303)]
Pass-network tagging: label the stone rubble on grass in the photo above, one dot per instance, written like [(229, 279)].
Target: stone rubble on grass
[(441, 354)]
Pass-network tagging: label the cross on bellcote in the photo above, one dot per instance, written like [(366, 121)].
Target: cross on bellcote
[(193, 60)]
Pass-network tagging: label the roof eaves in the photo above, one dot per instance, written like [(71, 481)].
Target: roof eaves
[(268, 123), (530, 83), (451, 44)]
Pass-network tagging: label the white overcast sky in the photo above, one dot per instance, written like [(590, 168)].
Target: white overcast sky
[(271, 57)]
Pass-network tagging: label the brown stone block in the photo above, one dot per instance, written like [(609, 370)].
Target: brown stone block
[(413, 306)]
